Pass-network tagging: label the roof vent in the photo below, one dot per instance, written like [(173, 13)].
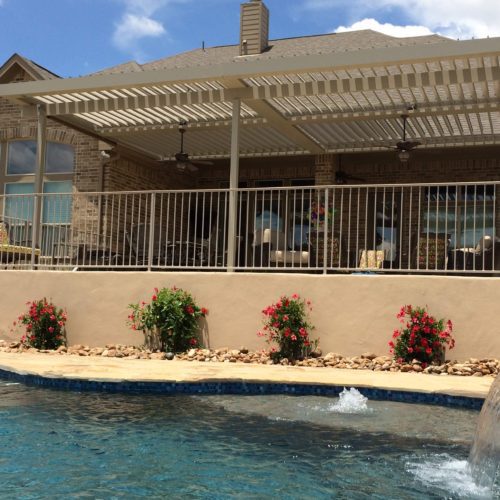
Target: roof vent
[(254, 28)]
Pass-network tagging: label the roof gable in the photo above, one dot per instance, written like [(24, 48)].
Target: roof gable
[(19, 69)]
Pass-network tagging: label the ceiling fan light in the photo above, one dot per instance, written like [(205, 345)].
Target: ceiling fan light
[(404, 156)]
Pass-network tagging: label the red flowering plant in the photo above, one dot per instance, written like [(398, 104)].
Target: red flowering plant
[(421, 337), (44, 325), (170, 321), (286, 324)]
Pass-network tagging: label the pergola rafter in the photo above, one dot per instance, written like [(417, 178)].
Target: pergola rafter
[(95, 103), (317, 104)]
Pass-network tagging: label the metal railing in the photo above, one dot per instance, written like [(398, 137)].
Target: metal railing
[(418, 228)]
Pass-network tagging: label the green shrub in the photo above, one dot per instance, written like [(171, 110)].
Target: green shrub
[(286, 324), (169, 322), (44, 325), (421, 337)]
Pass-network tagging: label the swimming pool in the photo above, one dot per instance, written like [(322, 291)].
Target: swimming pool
[(58, 444)]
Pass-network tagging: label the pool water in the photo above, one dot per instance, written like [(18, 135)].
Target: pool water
[(56, 444)]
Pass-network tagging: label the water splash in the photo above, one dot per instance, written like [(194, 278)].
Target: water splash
[(484, 457), (442, 472), (351, 401)]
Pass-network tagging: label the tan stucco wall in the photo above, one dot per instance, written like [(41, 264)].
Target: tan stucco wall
[(352, 313)]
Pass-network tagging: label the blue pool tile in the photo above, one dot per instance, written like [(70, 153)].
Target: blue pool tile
[(245, 388)]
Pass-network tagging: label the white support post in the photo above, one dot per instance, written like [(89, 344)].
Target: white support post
[(233, 186), (41, 147)]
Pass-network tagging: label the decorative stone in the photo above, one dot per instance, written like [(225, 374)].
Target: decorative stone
[(158, 355)]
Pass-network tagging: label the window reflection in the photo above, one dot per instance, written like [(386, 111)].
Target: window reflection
[(21, 157), (60, 158)]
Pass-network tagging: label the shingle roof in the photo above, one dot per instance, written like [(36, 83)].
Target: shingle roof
[(128, 67), (287, 47)]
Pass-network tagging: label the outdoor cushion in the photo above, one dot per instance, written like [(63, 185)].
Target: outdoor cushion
[(432, 251), (371, 259)]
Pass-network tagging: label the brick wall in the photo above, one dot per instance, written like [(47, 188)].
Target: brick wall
[(446, 165), (251, 169)]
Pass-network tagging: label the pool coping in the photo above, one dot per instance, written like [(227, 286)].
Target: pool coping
[(183, 377)]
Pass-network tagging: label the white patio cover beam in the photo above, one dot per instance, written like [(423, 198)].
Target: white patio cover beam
[(382, 114), (234, 176), (277, 120), (276, 91), (485, 106), (41, 148), (245, 67)]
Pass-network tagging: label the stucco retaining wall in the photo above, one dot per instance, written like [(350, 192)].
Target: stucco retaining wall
[(352, 313)]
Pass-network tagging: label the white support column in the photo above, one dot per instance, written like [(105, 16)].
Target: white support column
[(41, 147), (233, 186)]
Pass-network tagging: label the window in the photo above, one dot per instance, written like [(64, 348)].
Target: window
[(56, 207), (465, 213), (268, 183), (21, 158), (302, 182), (60, 158)]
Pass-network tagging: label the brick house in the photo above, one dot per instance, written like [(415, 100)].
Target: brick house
[(268, 114)]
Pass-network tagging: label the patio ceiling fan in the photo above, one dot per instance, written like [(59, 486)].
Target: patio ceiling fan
[(182, 161), (404, 147)]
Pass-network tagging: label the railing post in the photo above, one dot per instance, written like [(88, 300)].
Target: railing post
[(35, 229), (325, 234), (151, 231)]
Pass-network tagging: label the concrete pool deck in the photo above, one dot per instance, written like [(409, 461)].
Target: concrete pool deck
[(114, 370)]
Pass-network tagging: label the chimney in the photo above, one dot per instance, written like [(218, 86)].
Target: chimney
[(254, 28)]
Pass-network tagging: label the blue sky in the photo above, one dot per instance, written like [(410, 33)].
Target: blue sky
[(77, 37)]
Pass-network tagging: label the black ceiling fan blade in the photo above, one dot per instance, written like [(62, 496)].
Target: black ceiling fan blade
[(182, 166), (202, 162), (342, 177), (407, 145)]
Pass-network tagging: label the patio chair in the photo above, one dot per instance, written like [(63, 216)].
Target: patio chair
[(195, 251), (14, 247), (279, 253), (333, 247), (487, 254), (431, 251), (84, 250), (138, 245)]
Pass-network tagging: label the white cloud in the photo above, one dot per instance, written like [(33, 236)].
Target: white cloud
[(144, 7), (137, 23), (132, 28), (453, 18), (386, 28)]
